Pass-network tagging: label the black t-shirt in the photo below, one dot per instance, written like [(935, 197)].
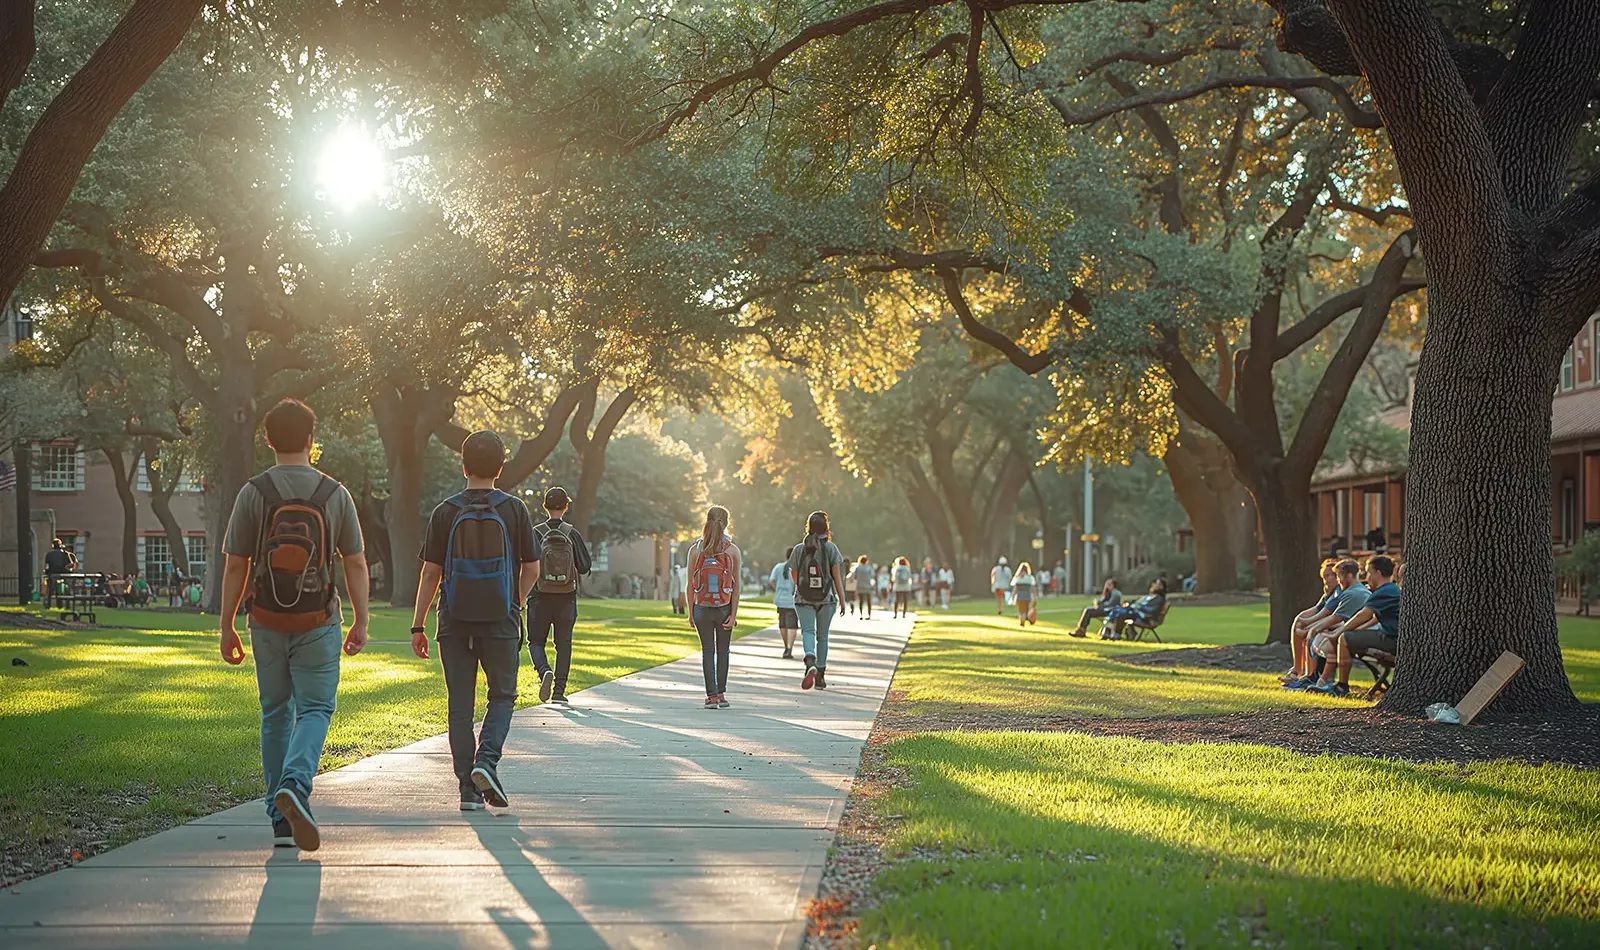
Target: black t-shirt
[(524, 548), (56, 561)]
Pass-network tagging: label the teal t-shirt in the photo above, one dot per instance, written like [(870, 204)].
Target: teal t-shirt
[(834, 559)]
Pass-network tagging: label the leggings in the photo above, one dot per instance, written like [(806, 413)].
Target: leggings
[(715, 644), (901, 597)]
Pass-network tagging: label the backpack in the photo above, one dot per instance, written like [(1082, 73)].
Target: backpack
[(902, 575), (712, 578), (291, 588), (815, 583), (479, 573), (558, 566)]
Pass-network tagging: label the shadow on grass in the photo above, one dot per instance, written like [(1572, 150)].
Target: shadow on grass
[(1079, 841)]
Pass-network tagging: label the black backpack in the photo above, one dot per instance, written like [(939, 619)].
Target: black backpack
[(558, 565), (813, 579)]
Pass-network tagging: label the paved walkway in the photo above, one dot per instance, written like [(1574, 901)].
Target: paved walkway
[(638, 819)]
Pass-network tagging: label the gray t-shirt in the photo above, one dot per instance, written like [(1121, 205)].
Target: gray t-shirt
[(293, 481), (863, 576), (1351, 601), (834, 559)]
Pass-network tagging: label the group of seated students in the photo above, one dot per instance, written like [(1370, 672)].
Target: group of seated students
[(1116, 616), (1352, 618)]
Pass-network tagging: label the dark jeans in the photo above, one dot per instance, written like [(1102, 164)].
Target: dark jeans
[(901, 599), (461, 657), (715, 644), (1090, 613), (557, 613)]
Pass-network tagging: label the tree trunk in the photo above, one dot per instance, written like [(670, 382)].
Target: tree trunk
[(594, 457), (47, 167), (1289, 528), (1212, 497), (930, 511), (130, 510), (236, 436), (375, 532), (162, 484), (406, 418), (1483, 381)]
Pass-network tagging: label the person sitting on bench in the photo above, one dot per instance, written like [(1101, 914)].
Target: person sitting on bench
[(1317, 641), (1144, 611), (1110, 597), (1358, 634), (1300, 662)]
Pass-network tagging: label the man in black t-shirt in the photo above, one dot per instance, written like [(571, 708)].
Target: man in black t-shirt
[(466, 644), (556, 612)]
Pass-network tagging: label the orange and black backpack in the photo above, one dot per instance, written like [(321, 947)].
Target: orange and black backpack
[(291, 589)]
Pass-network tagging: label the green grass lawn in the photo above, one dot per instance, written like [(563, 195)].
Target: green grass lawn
[(111, 734), (1022, 839)]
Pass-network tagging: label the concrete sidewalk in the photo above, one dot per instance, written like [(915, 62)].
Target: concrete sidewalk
[(638, 819)]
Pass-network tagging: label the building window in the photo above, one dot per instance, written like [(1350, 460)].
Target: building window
[(155, 557), (187, 482), (58, 466), (194, 546), (1569, 511), (1566, 370), (602, 557), (1372, 504)]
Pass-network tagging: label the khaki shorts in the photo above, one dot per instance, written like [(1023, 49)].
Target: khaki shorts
[(1326, 645)]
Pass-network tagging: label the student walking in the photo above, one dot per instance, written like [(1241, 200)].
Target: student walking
[(1025, 591), (563, 558), (925, 583), (715, 579), (849, 592), (816, 564), (943, 582), (863, 573), (1000, 582), (286, 525), (883, 586), (783, 599), (481, 550), (903, 580)]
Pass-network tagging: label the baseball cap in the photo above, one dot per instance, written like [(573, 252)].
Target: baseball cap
[(556, 498), (1002, 559)]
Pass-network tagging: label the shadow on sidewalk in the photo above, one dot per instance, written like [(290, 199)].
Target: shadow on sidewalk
[(511, 848), (287, 908)]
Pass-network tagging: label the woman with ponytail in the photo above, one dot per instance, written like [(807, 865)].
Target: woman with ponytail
[(819, 590), (714, 582)]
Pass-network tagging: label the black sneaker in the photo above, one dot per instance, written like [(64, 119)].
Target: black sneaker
[(484, 779), (471, 799), (282, 834), (547, 682), (810, 678), (561, 698), (307, 836), (822, 678), (788, 654)]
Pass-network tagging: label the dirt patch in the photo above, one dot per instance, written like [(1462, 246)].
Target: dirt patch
[(1224, 598), (1246, 657), (27, 621)]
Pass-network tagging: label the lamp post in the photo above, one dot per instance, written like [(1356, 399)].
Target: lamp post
[(1088, 524)]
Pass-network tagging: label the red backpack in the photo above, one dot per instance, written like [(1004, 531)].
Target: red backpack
[(712, 578), (292, 590)]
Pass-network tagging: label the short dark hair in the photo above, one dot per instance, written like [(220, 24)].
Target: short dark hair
[(1347, 566), (483, 455), (1382, 563), (289, 425)]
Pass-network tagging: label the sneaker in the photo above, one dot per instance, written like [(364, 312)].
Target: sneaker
[(1289, 677), (810, 679), (484, 779), (471, 799), (788, 654), (561, 699), (1303, 683), (1080, 633), (822, 678), (547, 682), (711, 702), (1337, 690), (282, 834), (302, 827), (722, 701)]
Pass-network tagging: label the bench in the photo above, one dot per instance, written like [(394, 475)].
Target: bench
[(1381, 666), (76, 596)]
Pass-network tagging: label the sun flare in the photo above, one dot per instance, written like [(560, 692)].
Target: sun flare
[(353, 169)]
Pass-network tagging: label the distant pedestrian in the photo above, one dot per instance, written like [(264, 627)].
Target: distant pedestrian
[(783, 599), (944, 582), (563, 558), (480, 548), (816, 564), (1000, 583), (925, 583), (715, 578), (1059, 576), (1025, 591), (883, 584), (286, 525), (863, 573), (849, 592), (903, 580)]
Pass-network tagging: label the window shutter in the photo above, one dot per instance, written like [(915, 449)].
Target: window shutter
[(78, 480)]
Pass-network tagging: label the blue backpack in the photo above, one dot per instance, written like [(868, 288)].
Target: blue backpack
[(478, 568)]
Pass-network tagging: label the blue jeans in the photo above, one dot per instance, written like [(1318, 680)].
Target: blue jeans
[(814, 623), (297, 675), (715, 645)]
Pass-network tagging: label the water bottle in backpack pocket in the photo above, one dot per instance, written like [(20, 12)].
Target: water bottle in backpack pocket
[(478, 571), (713, 579)]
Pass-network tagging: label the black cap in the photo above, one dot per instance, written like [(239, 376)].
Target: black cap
[(556, 498), (483, 454)]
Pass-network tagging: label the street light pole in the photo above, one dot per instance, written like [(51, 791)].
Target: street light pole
[(1088, 524)]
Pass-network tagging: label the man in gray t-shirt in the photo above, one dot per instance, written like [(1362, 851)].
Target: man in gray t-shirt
[(297, 669)]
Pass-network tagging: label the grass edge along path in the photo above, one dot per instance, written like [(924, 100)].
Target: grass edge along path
[(111, 734), (1034, 839)]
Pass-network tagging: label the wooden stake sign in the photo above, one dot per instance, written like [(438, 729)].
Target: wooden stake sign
[(1489, 686)]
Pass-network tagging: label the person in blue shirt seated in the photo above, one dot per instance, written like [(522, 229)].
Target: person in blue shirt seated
[(1303, 621), (1144, 610), (1110, 598), (1322, 637), (1375, 626)]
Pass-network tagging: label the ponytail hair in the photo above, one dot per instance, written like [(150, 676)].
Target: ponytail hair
[(816, 530), (714, 536)]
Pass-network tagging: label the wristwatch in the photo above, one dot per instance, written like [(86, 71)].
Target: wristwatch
[(419, 629)]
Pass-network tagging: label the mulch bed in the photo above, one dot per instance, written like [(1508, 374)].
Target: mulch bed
[(1248, 657)]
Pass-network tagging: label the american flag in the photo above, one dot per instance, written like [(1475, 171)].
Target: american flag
[(8, 476)]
